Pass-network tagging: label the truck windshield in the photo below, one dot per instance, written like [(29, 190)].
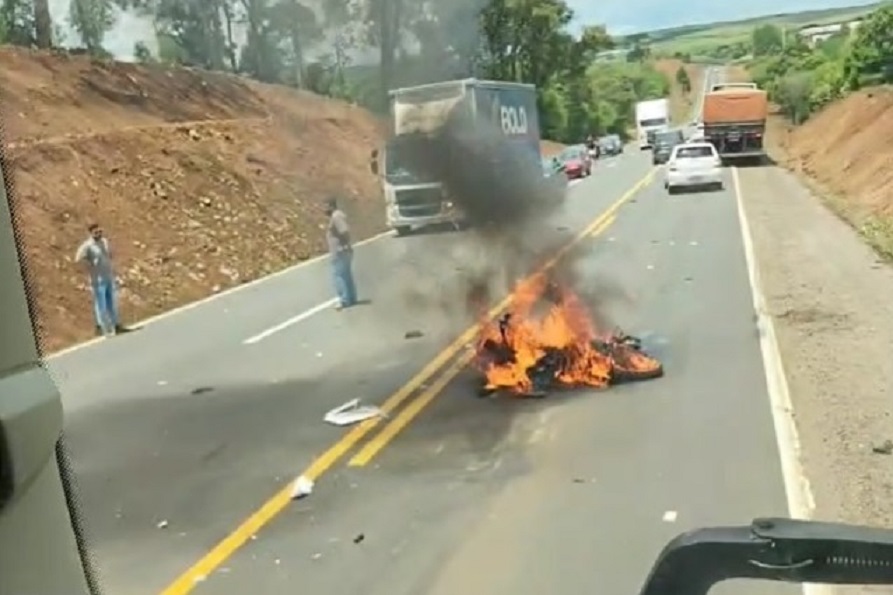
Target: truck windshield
[(652, 122), (396, 169)]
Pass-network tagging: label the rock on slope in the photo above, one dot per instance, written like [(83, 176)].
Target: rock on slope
[(202, 180)]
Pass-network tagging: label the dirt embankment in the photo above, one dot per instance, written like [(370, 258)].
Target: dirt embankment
[(681, 101), (846, 151), (201, 180), (549, 148)]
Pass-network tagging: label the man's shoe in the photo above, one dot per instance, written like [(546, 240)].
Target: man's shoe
[(98, 330), (119, 329)]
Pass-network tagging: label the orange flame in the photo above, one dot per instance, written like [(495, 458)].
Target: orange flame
[(561, 342)]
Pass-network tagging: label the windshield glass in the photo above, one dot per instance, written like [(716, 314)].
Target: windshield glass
[(573, 153), (396, 168), (668, 138), (693, 152), (652, 122)]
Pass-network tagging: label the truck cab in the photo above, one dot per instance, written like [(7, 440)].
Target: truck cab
[(411, 199)]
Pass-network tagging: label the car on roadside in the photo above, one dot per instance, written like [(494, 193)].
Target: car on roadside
[(576, 162), (693, 165), (663, 144), (611, 144)]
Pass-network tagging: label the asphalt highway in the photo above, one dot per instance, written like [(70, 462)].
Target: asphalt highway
[(183, 430)]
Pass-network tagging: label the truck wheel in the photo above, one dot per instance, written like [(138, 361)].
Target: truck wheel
[(402, 230)]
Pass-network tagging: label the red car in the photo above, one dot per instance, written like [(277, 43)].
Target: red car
[(575, 162)]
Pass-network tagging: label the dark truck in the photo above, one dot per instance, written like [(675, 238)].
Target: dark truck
[(413, 199), (663, 143), (733, 118)]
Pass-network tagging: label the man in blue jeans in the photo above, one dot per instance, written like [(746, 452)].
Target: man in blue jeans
[(341, 254), (96, 257)]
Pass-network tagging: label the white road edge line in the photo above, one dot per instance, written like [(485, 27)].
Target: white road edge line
[(215, 296), (291, 321), (801, 502)]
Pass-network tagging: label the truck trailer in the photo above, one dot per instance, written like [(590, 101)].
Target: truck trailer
[(733, 118), (415, 199)]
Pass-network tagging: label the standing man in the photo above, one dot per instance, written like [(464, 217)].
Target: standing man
[(96, 258), (341, 253)]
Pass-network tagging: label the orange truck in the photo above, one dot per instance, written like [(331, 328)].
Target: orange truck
[(733, 117)]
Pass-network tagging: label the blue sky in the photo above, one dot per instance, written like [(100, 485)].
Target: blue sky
[(630, 16)]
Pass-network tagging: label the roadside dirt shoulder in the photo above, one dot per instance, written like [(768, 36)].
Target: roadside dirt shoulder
[(202, 181), (832, 299)]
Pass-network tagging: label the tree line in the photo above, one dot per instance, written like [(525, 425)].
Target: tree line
[(416, 42)]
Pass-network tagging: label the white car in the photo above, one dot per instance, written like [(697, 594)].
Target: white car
[(693, 165)]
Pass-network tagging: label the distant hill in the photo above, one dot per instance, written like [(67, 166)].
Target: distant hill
[(700, 38)]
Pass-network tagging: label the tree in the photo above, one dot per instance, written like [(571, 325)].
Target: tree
[(683, 80), (43, 24), (92, 19), (871, 55), (793, 93), (767, 39), (639, 53)]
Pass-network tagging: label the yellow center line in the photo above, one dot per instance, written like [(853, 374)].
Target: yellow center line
[(187, 581), (605, 225), (408, 413)]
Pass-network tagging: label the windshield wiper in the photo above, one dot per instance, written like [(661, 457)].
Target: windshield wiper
[(773, 549)]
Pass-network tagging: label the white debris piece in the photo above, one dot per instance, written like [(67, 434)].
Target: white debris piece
[(302, 488), (352, 412)]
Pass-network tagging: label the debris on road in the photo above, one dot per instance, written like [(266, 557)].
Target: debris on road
[(528, 353), (202, 389), (162, 524), (413, 335), (359, 538), (884, 448), (302, 488), (351, 413)]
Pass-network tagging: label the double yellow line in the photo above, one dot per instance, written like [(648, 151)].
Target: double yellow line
[(272, 507)]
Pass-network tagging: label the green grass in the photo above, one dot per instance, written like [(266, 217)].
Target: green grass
[(701, 39)]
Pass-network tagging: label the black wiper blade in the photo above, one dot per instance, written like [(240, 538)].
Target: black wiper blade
[(773, 549)]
